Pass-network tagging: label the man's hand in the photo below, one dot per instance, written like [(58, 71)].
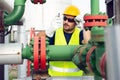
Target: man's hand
[(87, 36)]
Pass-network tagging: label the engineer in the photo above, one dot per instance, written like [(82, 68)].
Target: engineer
[(69, 34)]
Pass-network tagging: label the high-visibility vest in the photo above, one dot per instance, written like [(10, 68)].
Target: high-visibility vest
[(60, 38), (65, 68)]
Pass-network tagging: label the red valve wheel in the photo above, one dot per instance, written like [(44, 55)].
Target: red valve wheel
[(95, 20), (32, 33), (43, 53), (41, 1), (88, 17), (39, 53), (36, 1), (28, 67), (36, 53)]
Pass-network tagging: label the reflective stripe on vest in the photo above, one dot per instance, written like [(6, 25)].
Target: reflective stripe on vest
[(60, 38), (64, 69), (63, 66)]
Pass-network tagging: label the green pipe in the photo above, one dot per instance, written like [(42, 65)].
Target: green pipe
[(94, 7), (53, 52), (96, 77), (97, 34), (27, 53), (100, 50), (59, 52), (16, 14)]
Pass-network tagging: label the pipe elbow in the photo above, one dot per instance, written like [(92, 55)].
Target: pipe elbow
[(16, 14)]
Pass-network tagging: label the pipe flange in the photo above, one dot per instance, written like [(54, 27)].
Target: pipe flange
[(95, 20), (39, 53), (43, 53), (36, 53)]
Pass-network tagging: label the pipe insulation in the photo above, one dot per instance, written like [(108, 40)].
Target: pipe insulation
[(5, 6), (16, 14), (112, 41), (10, 53)]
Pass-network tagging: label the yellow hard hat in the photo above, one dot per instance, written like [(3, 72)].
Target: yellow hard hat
[(72, 10)]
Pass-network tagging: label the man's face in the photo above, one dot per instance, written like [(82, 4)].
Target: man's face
[(68, 23)]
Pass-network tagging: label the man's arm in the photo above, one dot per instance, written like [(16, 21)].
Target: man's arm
[(51, 39), (86, 36), (81, 37)]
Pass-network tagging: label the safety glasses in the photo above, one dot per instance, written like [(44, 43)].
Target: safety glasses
[(69, 19)]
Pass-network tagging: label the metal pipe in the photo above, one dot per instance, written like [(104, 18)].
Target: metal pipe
[(17, 13), (2, 38), (10, 53), (117, 11), (94, 7), (21, 36), (61, 52), (5, 6), (112, 42)]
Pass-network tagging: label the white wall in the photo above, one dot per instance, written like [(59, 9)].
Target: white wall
[(41, 16), (85, 5)]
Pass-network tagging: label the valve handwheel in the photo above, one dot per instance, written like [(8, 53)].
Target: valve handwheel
[(39, 1), (95, 20), (39, 53), (32, 34), (43, 53), (36, 53), (36, 1)]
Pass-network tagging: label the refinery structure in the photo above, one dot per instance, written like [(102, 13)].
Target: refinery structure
[(24, 46)]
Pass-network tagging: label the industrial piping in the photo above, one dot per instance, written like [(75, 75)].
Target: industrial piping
[(16, 14)]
